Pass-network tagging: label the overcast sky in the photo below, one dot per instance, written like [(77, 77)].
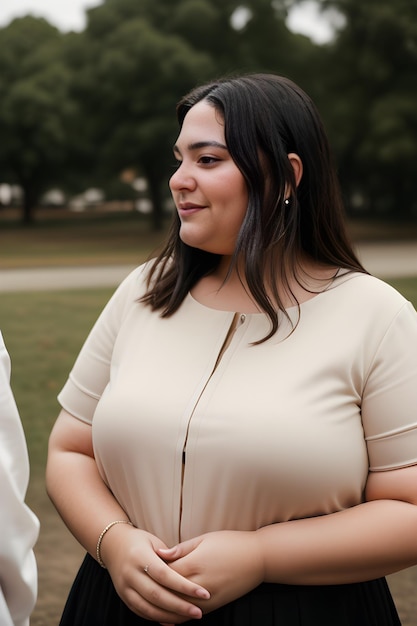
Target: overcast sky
[(70, 15), (64, 14)]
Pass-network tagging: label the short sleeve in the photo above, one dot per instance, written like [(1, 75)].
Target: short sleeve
[(389, 404), (91, 372)]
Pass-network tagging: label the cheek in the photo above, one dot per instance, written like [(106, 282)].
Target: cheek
[(235, 216), (240, 199)]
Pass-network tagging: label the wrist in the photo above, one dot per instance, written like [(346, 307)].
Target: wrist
[(263, 552), (103, 534), (260, 562)]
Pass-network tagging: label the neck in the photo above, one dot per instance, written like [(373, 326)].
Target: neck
[(225, 289)]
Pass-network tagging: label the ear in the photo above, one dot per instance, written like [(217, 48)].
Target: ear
[(297, 166)]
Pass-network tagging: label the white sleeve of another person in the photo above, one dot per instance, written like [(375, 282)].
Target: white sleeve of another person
[(19, 527)]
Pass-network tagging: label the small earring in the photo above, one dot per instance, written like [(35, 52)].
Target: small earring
[(286, 201)]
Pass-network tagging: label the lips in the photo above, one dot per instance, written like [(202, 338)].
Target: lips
[(186, 209), (189, 206)]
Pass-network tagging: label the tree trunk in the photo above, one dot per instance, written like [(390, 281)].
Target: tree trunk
[(157, 215), (30, 198)]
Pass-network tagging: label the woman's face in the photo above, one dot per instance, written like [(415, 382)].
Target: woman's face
[(209, 190)]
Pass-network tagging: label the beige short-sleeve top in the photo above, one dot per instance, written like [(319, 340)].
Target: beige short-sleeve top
[(190, 443)]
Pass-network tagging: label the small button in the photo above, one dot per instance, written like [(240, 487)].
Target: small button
[(242, 318)]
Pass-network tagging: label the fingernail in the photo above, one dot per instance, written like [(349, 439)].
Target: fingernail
[(202, 593), (195, 612)]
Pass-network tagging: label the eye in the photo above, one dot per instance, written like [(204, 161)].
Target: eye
[(176, 164), (208, 160)]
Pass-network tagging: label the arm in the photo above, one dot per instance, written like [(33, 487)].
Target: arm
[(367, 541), (19, 526), (125, 550)]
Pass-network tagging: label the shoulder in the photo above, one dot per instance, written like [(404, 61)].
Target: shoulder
[(127, 297), (134, 285), (367, 291), (365, 306), (137, 278)]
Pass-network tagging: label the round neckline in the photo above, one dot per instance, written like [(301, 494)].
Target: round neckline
[(258, 314), (338, 280), (228, 311)]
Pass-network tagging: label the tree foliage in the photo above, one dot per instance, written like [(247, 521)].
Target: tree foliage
[(143, 56), (372, 90), (88, 106), (34, 107), (79, 109), (131, 87)]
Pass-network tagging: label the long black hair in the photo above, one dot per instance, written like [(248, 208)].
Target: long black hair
[(266, 117)]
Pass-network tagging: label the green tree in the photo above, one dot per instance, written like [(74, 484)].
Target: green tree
[(34, 108), (141, 56), (129, 86), (80, 109), (372, 88)]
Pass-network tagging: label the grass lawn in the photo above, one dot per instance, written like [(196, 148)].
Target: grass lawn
[(43, 332), (63, 238)]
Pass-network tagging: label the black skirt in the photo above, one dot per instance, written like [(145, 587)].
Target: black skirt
[(93, 601)]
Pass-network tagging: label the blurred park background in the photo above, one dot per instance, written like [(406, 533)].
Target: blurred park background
[(90, 116), (87, 124)]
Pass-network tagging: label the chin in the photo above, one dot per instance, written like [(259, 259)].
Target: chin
[(204, 245), (192, 241)]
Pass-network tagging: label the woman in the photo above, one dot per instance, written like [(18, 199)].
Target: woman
[(238, 438)]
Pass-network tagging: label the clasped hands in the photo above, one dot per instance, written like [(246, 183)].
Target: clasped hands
[(185, 581)]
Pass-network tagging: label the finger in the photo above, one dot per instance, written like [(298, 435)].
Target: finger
[(158, 604), (162, 574), (180, 550)]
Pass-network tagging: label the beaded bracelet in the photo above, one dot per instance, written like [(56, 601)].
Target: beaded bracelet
[(100, 539)]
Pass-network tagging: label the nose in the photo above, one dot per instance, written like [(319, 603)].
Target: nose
[(182, 179)]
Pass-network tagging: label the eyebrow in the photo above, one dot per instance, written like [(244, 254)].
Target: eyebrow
[(202, 144)]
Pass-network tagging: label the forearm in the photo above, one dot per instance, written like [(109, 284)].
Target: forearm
[(81, 497), (361, 543), (87, 507)]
